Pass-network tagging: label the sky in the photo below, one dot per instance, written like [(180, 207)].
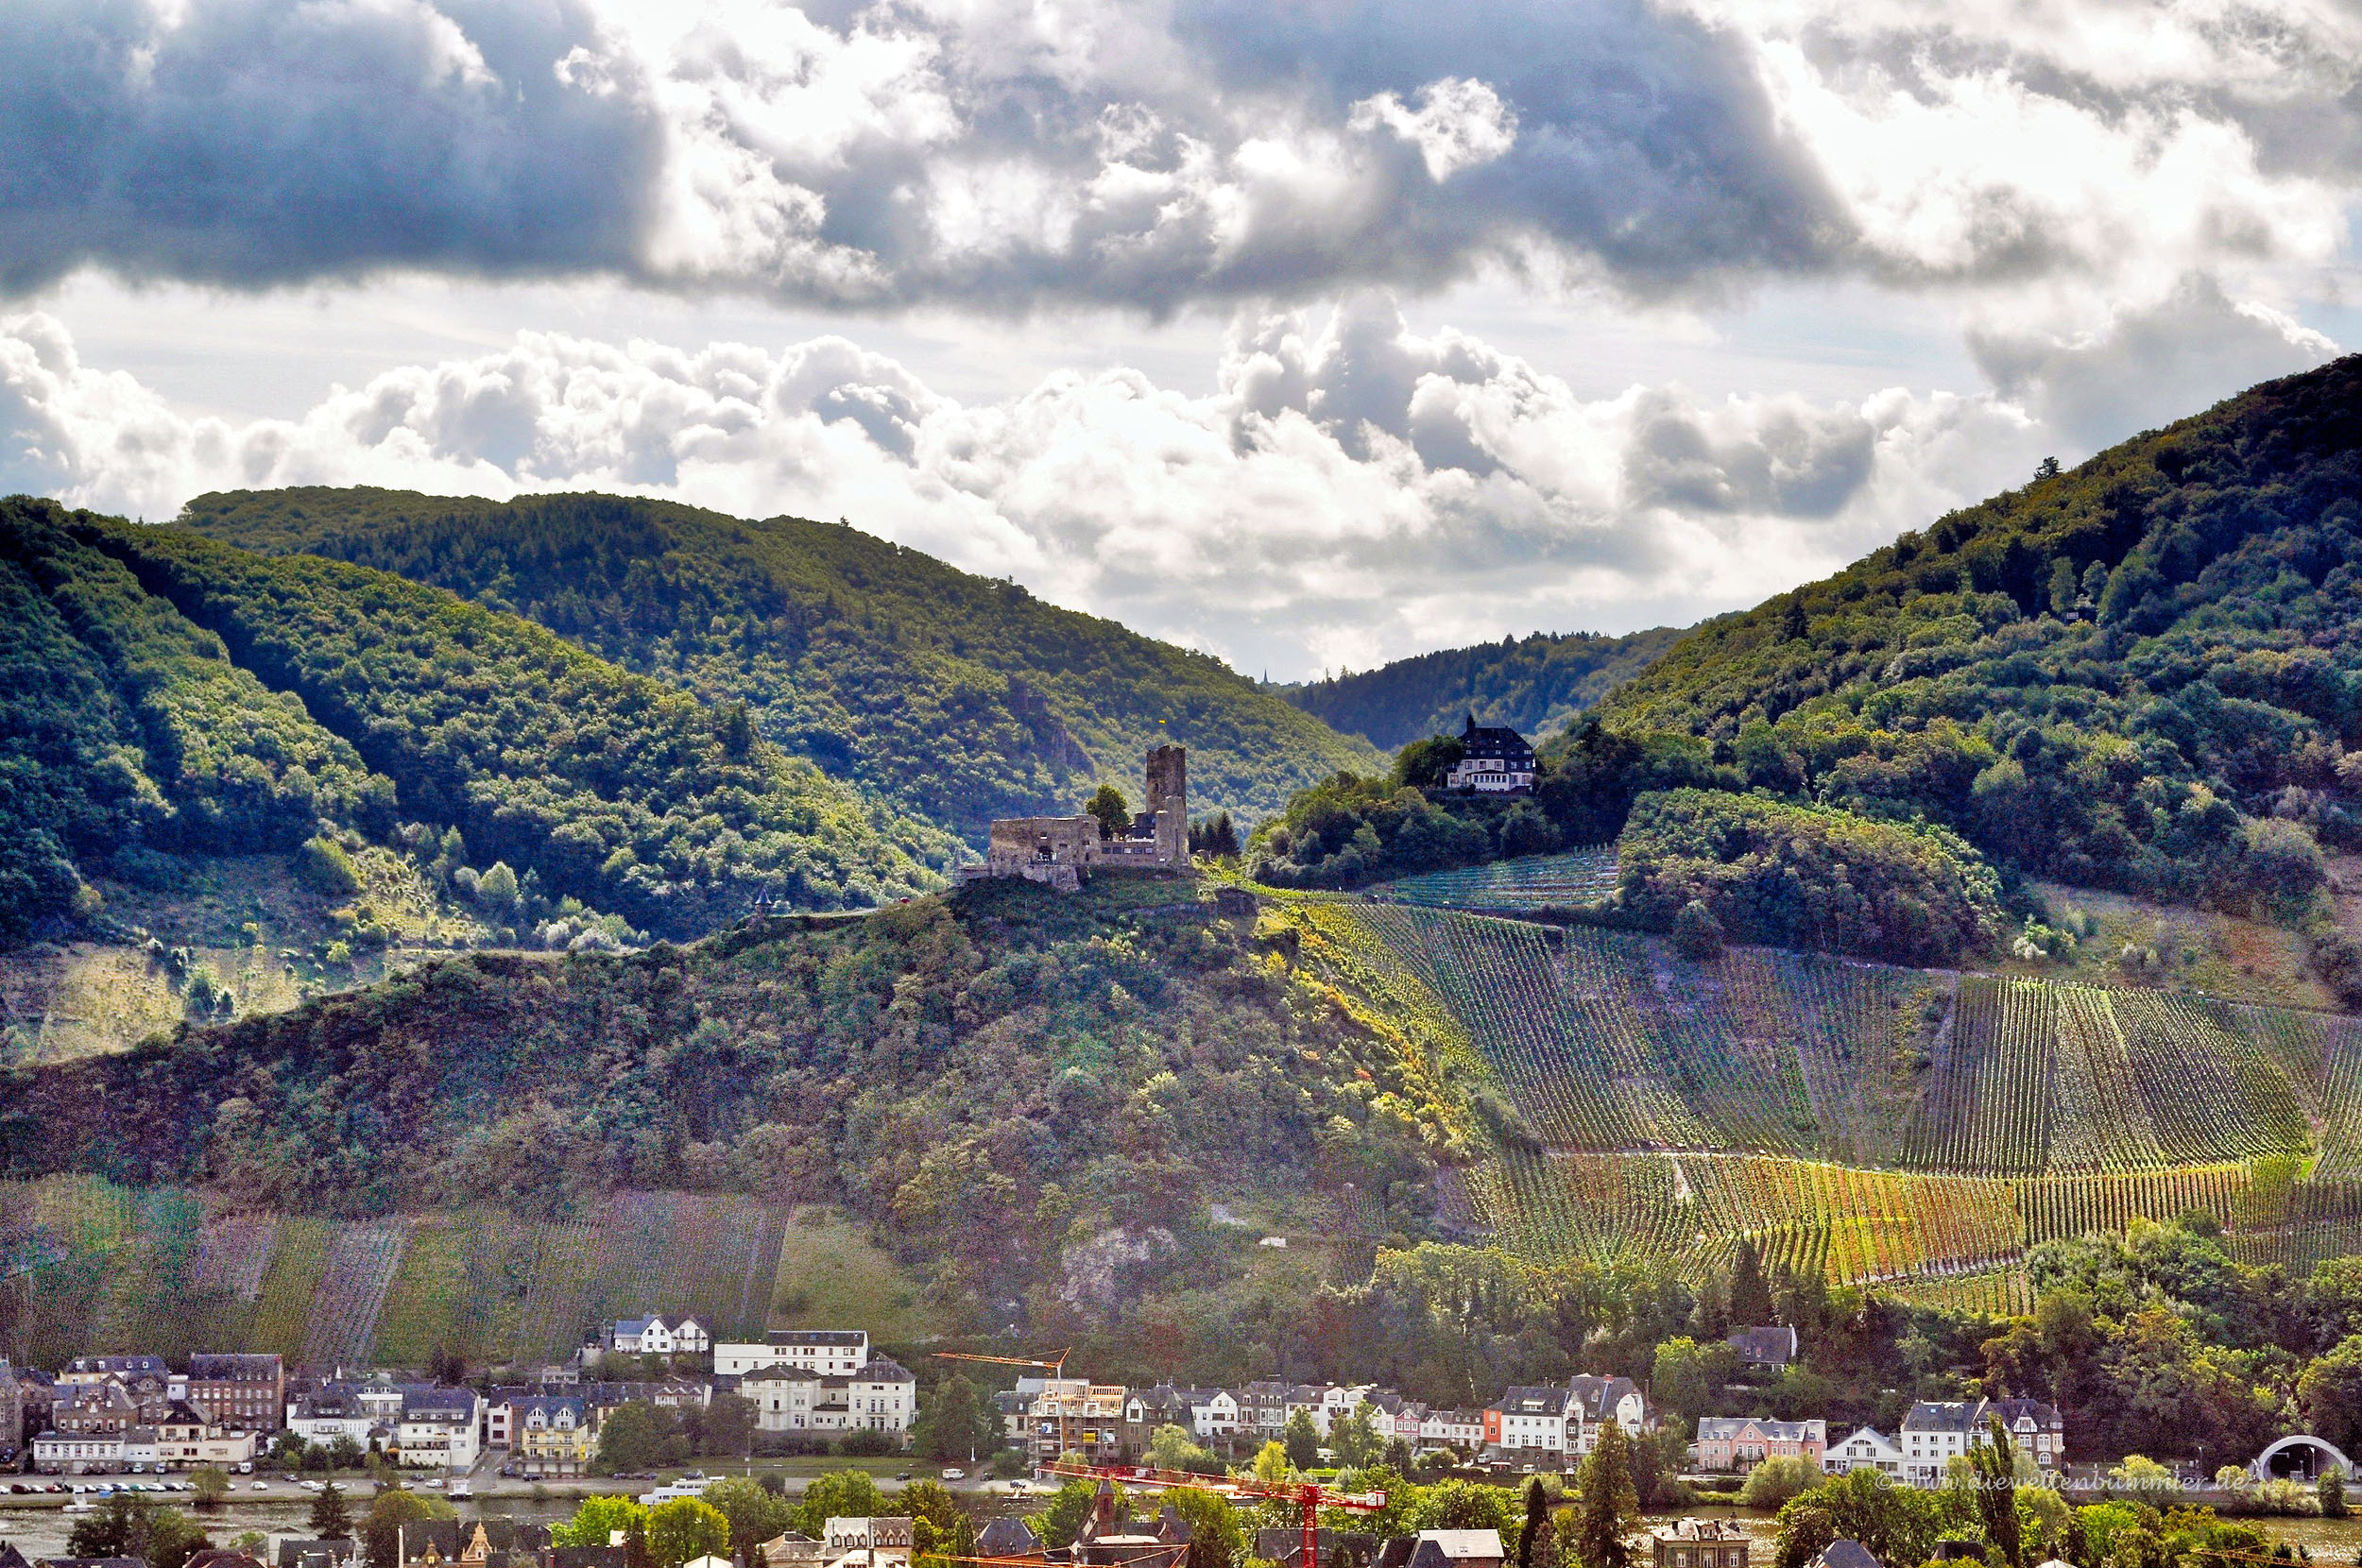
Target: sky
[(1311, 335)]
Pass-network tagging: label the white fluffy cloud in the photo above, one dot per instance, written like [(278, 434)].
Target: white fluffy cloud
[(1006, 153), (1350, 490)]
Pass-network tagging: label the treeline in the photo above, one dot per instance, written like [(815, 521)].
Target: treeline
[(954, 697), (1538, 685)]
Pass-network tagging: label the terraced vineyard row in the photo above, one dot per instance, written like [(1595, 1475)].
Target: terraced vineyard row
[(1856, 1226), (93, 1266), (1565, 881), (1606, 1040)]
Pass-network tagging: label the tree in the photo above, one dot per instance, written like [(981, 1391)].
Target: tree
[(393, 1508), (135, 1527), (631, 1437), (596, 1521), (331, 1519), (1686, 1375), (1303, 1439), (1607, 1509), (756, 1513), (2329, 1393), (728, 1425), (1070, 1506), (2331, 1489), (954, 1424), (1217, 1535), (1271, 1463), (1171, 1447), (344, 1454), (686, 1529), (1896, 1525), (1697, 934), (1992, 1472), (2047, 468), (1355, 1439), (211, 1484), (1751, 1295), (838, 1494), (1113, 812), (1772, 1483), (1537, 1521)]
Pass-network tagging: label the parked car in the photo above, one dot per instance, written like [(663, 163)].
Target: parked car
[(261, 1486), (955, 1474)]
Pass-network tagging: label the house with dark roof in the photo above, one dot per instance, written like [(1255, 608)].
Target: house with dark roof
[(339, 1551), (12, 1558), (1493, 760), (1845, 1553), (1700, 1544), (1002, 1538), (1768, 1349)]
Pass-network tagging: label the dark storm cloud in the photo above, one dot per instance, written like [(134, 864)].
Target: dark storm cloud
[(259, 144)]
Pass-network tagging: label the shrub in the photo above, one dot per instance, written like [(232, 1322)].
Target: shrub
[(323, 865), (866, 1444), (1696, 933), (1770, 1484)]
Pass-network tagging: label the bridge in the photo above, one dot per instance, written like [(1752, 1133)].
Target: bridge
[(2261, 1468)]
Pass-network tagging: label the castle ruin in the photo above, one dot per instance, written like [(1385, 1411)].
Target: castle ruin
[(1060, 852)]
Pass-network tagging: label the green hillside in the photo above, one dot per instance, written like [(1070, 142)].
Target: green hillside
[(1538, 685), (175, 701), (1107, 1064), (2143, 673), (951, 697)]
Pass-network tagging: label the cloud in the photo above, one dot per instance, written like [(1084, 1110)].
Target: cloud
[(1009, 154), (2147, 365), (1350, 490)]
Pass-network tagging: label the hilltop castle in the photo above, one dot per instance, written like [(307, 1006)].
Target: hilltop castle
[(1061, 851)]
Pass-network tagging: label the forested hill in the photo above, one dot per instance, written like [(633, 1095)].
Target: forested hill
[(2142, 674), (168, 695), (1537, 684), (957, 698)]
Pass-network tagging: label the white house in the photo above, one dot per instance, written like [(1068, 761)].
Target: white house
[(1591, 1401), (1213, 1412), (836, 1352), (185, 1439), (1935, 1433), (1495, 759), (657, 1337), (1867, 1449), (881, 1396), (438, 1428), (1461, 1429), (1530, 1419), (78, 1453)]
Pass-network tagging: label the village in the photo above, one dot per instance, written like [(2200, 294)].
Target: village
[(133, 1425)]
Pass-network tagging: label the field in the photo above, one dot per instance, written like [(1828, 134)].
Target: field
[(1532, 882), (87, 1267), (1920, 1129), (829, 1270)]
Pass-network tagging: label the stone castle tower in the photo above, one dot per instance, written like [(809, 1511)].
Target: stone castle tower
[(1169, 798)]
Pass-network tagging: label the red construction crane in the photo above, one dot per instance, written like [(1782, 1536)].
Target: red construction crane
[(1308, 1496)]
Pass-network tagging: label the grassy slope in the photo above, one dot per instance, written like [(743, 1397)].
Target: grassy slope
[(954, 696), (1538, 685)]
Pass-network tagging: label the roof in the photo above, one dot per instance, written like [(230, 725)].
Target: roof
[(1461, 1545), (1595, 1394), (1944, 1416), (1007, 1538), (233, 1368), (120, 1366), (1774, 1345), (2011, 1411), (849, 1337), (1730, 1426), (1531, 1401), (1491, 739), (884, 1369), (293, 1549), (1846, 1553)]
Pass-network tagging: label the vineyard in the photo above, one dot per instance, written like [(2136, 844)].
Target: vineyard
[(86, 1266), (1860, 1226), (1918, 1128), (1569, 880), (1608, 1040)]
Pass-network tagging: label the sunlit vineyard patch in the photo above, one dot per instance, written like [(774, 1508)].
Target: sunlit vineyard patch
[(1569, 880)]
